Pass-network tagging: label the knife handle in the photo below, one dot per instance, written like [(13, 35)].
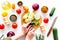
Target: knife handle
[(49, 32)]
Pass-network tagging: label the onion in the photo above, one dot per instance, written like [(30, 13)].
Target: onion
[(10, 34), (35, 6)]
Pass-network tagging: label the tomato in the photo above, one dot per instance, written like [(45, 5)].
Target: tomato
[(18, 11), (46, 20), (14, 25), (2, 26)]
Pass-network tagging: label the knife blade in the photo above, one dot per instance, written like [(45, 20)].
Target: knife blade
[(51, 26), (2, 36)]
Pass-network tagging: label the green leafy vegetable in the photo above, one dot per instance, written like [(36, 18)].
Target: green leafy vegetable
[(37, 37), (34, 23), (40, 37)]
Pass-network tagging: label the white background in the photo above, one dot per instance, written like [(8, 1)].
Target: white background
[(48, 3)]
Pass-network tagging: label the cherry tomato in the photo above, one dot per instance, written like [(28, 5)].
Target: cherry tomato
[(2, 26), (46, 20), (18, 11), (14, 25)]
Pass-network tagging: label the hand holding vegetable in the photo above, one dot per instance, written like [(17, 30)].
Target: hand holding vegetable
[(30, 35), (24, 31)]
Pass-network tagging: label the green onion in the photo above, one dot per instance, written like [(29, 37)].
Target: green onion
[(40, 37), (37, 37)]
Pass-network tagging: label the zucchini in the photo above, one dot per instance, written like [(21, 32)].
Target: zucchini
[(55, 34), (52, 11)]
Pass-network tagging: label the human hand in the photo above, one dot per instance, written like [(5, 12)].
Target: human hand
[(30, 35), (25, 29)]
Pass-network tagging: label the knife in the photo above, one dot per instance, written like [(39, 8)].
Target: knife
[(2, 36), (51, 26)]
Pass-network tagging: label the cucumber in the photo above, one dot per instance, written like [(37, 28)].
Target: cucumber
[(55, 34), (52, 11)]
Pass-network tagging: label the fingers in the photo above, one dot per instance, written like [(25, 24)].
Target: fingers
[(33, 30), (30, 28), (26, 28), (24, 25)]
